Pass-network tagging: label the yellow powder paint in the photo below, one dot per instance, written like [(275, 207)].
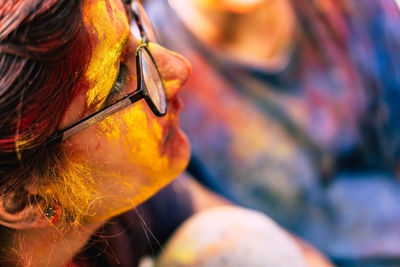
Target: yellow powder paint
[(140, 135), (111, 32), (172, 84), (141, 139), (73, 189), (124, 203), (113, 204)]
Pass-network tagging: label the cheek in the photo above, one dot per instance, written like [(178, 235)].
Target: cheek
[(129, 159), (135, 139), (133, 132)]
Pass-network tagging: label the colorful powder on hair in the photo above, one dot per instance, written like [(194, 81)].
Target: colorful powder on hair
[(103, 67)]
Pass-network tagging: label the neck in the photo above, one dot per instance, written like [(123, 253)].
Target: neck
[(262, 36), (47, 246)]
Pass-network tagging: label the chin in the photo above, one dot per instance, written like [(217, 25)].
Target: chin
[(178, 151)]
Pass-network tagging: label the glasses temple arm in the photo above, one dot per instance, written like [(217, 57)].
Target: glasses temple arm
[(98, 116)]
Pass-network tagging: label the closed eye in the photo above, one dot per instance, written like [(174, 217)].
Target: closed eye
[(118, 90)]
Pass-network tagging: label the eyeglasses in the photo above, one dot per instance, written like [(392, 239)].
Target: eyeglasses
[(149, 83)]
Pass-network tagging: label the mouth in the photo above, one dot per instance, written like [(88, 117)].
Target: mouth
[(171, 131), (172, 122), (176, 104)]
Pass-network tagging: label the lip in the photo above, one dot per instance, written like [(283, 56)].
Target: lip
[(171, 122), (168, 134), (177, 104), (171, 130)]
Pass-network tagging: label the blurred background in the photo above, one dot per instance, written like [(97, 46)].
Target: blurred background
[(292, 110)]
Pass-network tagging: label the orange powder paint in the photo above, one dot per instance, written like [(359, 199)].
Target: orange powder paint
[(141, 137), (132, 126), (108, 46), (138, 139), (131, 154)]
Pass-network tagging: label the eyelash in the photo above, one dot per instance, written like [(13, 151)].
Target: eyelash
[(118, 86)]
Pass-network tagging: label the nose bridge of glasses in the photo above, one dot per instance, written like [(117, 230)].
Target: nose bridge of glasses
[(136, 24), (138, 93)]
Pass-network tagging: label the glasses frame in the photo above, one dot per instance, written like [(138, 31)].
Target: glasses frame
[(141, 91)]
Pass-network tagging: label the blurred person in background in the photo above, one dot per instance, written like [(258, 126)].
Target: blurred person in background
[(85, 136), (291, 110)]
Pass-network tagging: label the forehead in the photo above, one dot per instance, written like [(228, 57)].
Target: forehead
[(108, 27)]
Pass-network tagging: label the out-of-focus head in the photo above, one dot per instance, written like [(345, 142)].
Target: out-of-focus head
[(260, 33), (234, 6), (62, 61), (231, 237)]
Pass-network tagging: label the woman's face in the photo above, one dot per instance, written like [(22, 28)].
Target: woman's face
[(131, 154)]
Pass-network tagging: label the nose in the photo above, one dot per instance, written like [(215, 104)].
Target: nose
[(174, 69)]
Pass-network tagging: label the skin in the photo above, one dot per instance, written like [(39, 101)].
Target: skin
[(131, 154)]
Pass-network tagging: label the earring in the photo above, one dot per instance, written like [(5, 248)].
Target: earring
[(52, 213)]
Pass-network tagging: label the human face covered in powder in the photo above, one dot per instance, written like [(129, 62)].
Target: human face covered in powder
[(131, 154)]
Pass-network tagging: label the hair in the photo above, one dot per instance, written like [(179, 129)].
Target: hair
[(43, 54)]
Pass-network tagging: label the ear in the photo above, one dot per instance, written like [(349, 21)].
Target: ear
[(23, 211)]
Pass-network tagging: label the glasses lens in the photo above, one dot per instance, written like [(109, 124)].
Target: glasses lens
[(144, 20), (153, 82)]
